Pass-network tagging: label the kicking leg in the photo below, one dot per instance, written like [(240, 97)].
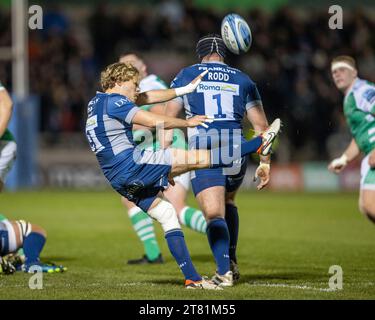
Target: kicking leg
[(183, 161)]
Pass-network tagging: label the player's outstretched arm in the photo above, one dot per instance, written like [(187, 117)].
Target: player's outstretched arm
[(152, 120), (351, 152), (156, 96), (6, 106)]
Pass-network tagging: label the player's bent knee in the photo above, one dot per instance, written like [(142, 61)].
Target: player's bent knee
[(165, 213)]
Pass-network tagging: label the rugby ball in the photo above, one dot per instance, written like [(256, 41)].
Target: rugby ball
[(236, 33)]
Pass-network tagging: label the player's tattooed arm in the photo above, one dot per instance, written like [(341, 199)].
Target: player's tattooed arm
[(351, 152), (6, 107), (156, 96)]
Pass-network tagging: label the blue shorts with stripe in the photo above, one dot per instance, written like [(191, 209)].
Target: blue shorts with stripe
[(142, 176)]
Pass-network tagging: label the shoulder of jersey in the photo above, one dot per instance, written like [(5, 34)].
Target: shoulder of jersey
[(118, 98), (360, 86), (359, 83)]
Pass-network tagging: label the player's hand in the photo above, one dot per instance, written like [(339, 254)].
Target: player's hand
[(263, 173), (191, 86), (338, 164), (371, 160), (198, 79), (199, 121)]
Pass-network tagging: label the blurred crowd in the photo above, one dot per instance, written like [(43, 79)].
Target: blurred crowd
[(289, 60)]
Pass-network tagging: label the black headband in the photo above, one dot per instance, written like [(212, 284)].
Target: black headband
[(209, 44)]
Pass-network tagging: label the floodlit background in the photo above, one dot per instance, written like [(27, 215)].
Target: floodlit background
[(290, 234), (289, 60)]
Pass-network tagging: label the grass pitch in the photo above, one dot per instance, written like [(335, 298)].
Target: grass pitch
[(287, 243)]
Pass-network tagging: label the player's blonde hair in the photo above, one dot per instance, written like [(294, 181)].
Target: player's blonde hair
[(115, 73), (347, 59)]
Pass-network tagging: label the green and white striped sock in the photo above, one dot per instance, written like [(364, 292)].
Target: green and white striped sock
[(144, 228), (20, 251), (193, 219)]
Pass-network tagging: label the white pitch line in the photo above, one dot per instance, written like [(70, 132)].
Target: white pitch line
[(86, 285), (289, 286)]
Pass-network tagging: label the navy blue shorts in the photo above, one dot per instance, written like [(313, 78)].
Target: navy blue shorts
[(231, 178), (142, 180), (206, 178)]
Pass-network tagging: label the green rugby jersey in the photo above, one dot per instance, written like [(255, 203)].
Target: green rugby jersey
[(153, 82), (7, 136), (359, 110)]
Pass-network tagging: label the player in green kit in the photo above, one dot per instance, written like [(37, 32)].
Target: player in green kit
[(20, 242), (359, 110), (176, 194), (8, 146)]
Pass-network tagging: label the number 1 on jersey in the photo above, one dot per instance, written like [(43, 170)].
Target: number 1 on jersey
[(220, 114)]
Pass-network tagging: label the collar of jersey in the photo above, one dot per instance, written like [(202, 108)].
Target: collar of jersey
[(108, 94)]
